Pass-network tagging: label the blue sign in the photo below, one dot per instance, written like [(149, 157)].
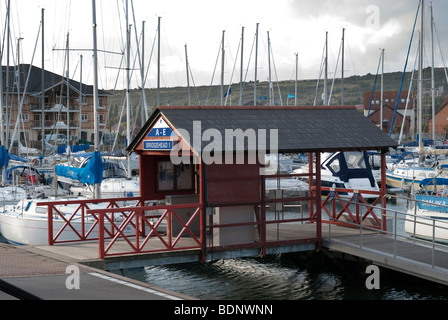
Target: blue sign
[(158, 145), (160, 129), (160, 132)]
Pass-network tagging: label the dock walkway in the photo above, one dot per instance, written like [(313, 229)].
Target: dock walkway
[(30, 274), (40, 272)]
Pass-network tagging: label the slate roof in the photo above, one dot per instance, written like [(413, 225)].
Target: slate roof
[(300, 129), (35, 79)]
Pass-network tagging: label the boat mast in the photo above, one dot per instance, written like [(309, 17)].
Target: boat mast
[(222, 68), (8, 38), (420, 81), (95, 91), (297, 78), (68, 94), (433, 80), (382, 88), (142, 70), (80, 96), (256, 62), (242, 66), (188, 76), (326, 69), (158, 64), (42, 116), (269, 64), (343, 63), (128, 90)]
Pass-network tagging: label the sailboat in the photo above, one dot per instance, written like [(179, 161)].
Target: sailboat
[(428, 216), (408, 177), (25, 223)]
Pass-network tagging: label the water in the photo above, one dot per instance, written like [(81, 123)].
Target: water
[(304, 276), (287, 277)]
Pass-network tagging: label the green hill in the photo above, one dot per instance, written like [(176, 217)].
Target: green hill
[(354, 88)]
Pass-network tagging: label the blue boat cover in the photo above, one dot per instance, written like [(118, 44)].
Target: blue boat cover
[(75, 148), (4, 157), (432, 203), (17, 158), (91, 174), (434, 181)]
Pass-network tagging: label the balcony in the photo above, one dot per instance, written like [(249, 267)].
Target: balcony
[(54, 108)]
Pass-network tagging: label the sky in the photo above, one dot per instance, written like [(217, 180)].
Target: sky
[(294, 27)]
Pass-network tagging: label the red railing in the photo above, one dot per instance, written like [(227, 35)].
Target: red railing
[(69, 221), (141, 228), (338, 206), (158, 220)]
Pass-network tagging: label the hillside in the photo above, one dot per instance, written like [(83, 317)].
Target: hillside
[(354, 88)]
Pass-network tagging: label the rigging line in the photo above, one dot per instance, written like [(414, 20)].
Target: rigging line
[(25, 88), (248, 64), (374, 86), (194, 84), (320, 74), (441, 53), (348, 47), (407, 100), (150, 57), (214, 70), (335, 72), (404, 72), (233, 71), (275, 71)]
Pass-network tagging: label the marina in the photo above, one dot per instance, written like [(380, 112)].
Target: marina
[(255, 200)]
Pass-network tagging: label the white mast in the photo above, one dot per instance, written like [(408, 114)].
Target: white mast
[(269, 64), (256, 62), (433, 80), (222, 68), (343, 66), (43, 88), (128, 90), (326, 70), (242, 66), (95, 91), (158, 64), (188, 76), (382, 88), (68, 94), (297, 76), (420, 81)]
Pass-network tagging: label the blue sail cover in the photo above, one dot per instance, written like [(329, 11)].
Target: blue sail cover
[(91, 174), (4, 157)]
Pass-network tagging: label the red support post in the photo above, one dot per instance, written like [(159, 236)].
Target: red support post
[(318, 203), (383, 189), (102, 254), (50, 225)]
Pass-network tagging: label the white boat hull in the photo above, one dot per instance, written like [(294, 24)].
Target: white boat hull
[(424, 229), (20, 227)]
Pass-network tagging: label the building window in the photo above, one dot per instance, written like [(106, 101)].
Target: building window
[(173, 177), (84, 117)]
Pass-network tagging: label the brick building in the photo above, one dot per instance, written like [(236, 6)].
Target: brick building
[(372, 104), (77, 106)]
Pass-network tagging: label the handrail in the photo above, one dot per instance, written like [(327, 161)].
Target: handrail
[(138, 219), (396, 235)]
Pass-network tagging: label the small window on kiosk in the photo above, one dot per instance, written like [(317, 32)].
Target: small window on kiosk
[(173, 177)]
